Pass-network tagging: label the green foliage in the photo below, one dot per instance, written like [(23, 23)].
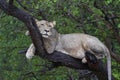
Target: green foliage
[(84, 18)]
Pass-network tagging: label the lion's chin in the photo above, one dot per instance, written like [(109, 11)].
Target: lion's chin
[(45, 36)]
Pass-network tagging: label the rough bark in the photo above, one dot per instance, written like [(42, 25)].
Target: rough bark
[(57, 57)]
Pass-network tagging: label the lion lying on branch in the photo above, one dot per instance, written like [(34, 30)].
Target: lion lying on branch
[(75, 44)]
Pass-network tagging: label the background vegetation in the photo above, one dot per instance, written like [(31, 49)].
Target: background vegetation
[(97, 18)]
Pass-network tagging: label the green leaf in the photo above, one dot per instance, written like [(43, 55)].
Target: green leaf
[(118, 25)]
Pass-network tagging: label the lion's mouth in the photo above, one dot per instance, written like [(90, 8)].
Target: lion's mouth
[(45, 34)]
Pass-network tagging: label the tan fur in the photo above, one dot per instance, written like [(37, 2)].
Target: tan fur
[(75, 44)]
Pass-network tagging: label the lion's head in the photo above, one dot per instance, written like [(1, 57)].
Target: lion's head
[(45, 28)]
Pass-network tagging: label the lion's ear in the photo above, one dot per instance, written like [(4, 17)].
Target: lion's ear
[(54, 23), (36, 20)]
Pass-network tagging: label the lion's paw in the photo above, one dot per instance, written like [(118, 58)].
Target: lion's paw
[(29, 55)]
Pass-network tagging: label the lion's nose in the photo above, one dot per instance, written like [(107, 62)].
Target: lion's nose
[(46, 30)]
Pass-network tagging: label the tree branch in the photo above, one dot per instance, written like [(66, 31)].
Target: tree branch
[(24, 7), (110, 47)]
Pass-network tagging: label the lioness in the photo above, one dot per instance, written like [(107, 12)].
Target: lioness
[(75, 44)]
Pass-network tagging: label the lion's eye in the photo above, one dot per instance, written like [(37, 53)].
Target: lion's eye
[(49, 25), (42, 24)]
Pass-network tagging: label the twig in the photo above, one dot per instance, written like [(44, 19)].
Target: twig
[(110, 47), (31, 73)]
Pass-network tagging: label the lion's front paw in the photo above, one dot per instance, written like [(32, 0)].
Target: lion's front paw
[(29, 55), (27, 33), (84, 60)]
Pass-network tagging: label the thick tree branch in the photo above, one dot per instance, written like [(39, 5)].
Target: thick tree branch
[(56, 57)]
